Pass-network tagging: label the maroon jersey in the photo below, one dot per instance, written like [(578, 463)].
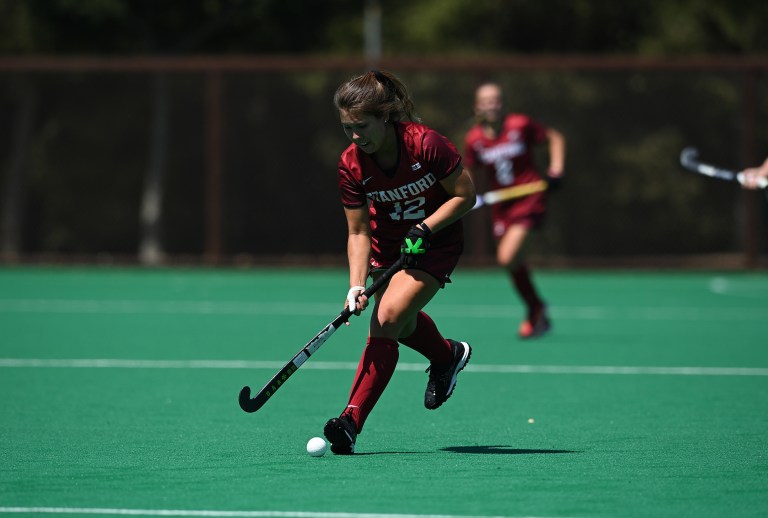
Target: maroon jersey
[(405, 195), (508, 160)]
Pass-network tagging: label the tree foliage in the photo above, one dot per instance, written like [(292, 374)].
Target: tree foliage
[(77, 157), (427, 26)]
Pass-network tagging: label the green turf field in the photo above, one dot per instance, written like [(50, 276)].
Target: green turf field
[(119, 397)]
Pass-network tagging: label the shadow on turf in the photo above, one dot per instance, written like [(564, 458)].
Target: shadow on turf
[(501, 450)]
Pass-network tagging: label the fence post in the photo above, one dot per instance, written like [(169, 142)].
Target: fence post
[(214, 170), (751, 223)]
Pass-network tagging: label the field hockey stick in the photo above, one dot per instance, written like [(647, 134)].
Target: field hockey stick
[(251, 404), (509, 193), (689, 158)]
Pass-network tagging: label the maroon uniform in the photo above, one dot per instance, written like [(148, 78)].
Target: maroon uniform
[(508, 159), (404, 196)]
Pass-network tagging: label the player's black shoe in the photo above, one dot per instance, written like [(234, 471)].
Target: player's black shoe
[(341, 432), (442, 376)]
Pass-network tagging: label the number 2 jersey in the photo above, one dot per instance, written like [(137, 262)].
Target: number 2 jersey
[(405, 195), (508, 160)]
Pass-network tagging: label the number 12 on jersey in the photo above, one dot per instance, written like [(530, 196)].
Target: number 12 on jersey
[(409, 209)]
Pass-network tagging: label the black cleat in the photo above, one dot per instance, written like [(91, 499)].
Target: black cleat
[(442, 376), (341, 432)]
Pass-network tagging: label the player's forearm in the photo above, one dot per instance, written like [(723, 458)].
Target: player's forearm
[(452, 210), (463, 199), (358, 254), (556, 151)]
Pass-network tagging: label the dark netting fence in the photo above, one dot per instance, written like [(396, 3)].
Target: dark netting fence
[(243, 159)]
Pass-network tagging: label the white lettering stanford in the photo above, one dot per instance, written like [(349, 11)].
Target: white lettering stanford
[(405, 192)]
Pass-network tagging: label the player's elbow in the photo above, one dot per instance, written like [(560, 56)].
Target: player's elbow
[(468, 194), (468, 201)]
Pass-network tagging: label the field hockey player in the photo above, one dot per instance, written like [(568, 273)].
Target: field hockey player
[(501, 147), (404, 191)]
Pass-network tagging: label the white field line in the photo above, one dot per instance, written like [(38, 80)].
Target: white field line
[(290, 309), (749, 288), (228, 514), (107, 363)]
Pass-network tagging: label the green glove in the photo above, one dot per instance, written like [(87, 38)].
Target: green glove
[(415, 244)]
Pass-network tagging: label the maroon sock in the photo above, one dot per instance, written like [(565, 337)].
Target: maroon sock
[(373, 373), (427, 340), (521, 276)]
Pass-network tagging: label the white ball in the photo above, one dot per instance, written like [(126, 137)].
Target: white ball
[(317, 447)]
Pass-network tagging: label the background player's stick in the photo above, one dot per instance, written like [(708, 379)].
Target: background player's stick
[(510, 193), (689, 158), (251, 404)]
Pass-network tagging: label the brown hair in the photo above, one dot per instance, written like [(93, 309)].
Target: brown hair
[(378, 93)]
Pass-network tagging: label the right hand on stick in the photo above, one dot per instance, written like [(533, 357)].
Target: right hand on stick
[(356, 301)]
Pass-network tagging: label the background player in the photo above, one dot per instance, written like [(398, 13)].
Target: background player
[(404, 191), (502, 146)]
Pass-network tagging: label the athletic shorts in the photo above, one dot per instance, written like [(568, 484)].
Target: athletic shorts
[(528, 211), (438, 263)]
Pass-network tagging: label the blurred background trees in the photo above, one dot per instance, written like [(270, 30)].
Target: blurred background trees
[(110, 162), (646, 27)]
